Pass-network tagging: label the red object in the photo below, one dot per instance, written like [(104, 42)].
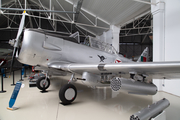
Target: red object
[(33, 69), (144, 59), (5, 61), (117, 61)]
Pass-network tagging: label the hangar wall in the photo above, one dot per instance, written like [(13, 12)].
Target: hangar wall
[(166, 41)]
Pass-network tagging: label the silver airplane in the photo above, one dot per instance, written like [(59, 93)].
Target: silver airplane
[(97, 63)]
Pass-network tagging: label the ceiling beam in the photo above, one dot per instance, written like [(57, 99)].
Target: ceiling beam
[(35, 10)]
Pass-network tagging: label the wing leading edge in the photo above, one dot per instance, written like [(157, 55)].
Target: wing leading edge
[(154, 69)]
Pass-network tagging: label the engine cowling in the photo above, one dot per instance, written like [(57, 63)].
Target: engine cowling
[(132, 86)]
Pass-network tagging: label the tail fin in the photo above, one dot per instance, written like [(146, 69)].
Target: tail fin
[(144, 55)]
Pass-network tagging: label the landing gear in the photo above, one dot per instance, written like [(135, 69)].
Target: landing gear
[(67, 94), (43, 83)]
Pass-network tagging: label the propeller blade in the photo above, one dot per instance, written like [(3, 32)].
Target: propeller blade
[(21, 26), (17, 40), (12, 61)]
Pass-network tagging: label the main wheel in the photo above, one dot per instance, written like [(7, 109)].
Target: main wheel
[(41, 85), (67, 94)]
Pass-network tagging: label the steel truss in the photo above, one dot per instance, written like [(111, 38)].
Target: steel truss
[(140, 26), (134, 36), (45, 13)]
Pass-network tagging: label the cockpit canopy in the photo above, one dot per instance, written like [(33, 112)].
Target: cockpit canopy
[(97, 44)]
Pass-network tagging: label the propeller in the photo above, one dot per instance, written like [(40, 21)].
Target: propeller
[(16, 42)]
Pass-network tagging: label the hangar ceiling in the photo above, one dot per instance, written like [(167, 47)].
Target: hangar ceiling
[(95, 16)]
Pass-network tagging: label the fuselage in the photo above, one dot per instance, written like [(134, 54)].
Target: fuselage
[(41, 48)]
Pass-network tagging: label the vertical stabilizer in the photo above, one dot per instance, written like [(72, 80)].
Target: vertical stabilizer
[(144, 55)]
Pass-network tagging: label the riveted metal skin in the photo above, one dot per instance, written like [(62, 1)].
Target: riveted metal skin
[(60, 55)]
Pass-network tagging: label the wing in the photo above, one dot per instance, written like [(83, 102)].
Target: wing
[(156, 70)]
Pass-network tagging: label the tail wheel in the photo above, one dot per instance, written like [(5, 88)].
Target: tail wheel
[(67, 94), (43, 83)]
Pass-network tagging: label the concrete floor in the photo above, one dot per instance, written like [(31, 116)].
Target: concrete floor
[(90, 104)]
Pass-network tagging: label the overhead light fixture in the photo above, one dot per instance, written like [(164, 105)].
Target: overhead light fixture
[(142, 1), (69, 2)]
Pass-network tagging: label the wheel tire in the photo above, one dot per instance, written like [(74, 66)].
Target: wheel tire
[(39, 83), (67, 94)]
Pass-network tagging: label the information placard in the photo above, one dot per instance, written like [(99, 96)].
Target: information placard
[(15, 94)]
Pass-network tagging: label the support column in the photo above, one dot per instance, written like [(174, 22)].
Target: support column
[(115, 37), (103, 37), (111, 37), (158, 31), (158, 36), (166, 39)]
